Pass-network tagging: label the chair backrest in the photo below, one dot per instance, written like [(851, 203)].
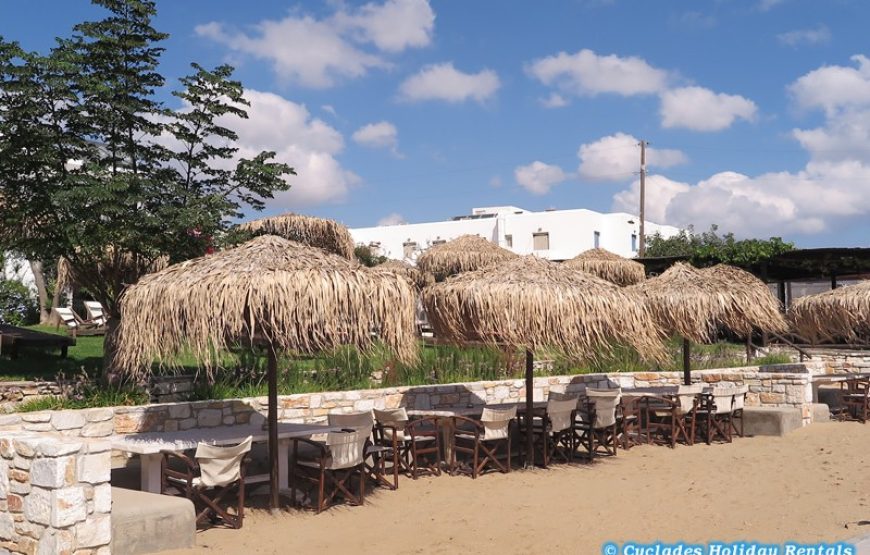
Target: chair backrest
[(605, 401), (346, 449), (723, 399), (392, 417), (95, 312), (496, 422), (221, 466), (686, 395), (740, 396), (560, 413), (67, 316), (359, 421), (564, 395)]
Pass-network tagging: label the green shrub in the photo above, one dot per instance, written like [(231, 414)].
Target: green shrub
[(17, 304)]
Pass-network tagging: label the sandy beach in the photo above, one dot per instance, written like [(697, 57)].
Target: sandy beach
[(810, 486)]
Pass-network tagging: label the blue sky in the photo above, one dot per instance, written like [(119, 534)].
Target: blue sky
[(757, 111)]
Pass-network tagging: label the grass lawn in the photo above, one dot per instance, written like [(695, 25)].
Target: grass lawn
[(86, 355)]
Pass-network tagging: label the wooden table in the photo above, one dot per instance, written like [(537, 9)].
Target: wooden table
[(12, 338), (150, 445)]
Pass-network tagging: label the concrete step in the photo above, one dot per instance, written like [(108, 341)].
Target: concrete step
[(771, 421), (150, 523)]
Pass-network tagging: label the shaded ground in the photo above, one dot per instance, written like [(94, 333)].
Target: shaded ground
[(808, 486)]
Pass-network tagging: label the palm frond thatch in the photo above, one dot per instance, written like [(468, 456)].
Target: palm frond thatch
[(269, 290), (463, 254), (531, 303), (842, 313), (123, 267), (695, 303), (609, 266), (308, 230), (414, 275)]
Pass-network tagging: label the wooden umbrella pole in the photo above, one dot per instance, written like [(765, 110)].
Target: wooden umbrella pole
[(530, 386), (272, 375), (687, 362)]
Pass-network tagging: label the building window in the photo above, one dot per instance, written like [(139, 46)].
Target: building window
[(633, 242), (597, 239), (438, 242), (509, 241), (541, 241), (409, 248)]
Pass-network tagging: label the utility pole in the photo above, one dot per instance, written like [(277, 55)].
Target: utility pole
[(641, 251)]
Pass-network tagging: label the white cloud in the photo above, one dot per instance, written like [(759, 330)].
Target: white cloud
[(833, 88), (329, 109), (831, 191), (701, 109), (819, 35), (445, 82), (586, 73), (382, 134), (555, 100), (320, 52), (616, 157), (659, 192), (538, 178), (307, 144), (766, 5), (495, 182), (392, 219)]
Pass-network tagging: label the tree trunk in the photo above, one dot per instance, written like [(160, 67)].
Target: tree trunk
[(53, 318), (111, 370), (41, 291)]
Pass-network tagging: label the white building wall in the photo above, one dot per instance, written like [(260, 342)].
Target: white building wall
[(18, 269), (570, 232)]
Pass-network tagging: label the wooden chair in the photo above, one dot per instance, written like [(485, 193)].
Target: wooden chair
[(75, 324), (856, 399), (375, 454), (485, 442), (553, 430), (596, 423), (96, 313), (330, 467), (208, 479), (715, 414), (393, 430), (671, 417)]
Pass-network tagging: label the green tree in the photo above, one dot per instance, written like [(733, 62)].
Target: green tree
[(708, 248), (366, 257), (95, 169)]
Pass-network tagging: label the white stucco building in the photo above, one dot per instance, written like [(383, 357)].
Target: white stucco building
[(552, 234)]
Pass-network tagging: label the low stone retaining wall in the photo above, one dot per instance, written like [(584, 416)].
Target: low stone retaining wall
[(788, 385), (14, 393), (55, 495)]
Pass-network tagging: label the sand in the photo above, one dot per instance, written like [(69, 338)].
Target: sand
[(810, 486)]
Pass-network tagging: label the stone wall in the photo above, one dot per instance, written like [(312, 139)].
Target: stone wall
[(789, 385), (14, 393), (55, 495), (832, 359)]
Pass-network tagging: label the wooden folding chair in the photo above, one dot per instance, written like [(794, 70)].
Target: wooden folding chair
[(96, 313), (413, 447), (714, 414), (596, 423), (553, 430), (212, 475), (329, 468), (672, 417), (375, 453), (737, 410), (486, 442), (856, 399)]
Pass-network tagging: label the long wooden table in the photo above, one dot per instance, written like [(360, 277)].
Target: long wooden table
[(12, 338), (149, 446)]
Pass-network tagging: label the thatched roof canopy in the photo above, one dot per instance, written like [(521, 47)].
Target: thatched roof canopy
[(414, 275), (609, 266), (463, 254), (531, 303), (695, 303), (297, 298), (308, 230), (842, 313)]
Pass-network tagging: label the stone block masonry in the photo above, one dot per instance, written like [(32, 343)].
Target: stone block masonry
[(55, 495)]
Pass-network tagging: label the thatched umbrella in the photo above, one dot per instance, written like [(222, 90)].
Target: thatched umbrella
[(530, 303), (267, 292), (695, 304), (463, 254), (609, 266), (308, 230), (414, 275), (840, 313)]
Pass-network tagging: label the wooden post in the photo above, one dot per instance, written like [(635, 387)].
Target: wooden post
[(687, 362), (530, 405), (749, 348), (272, 376)]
